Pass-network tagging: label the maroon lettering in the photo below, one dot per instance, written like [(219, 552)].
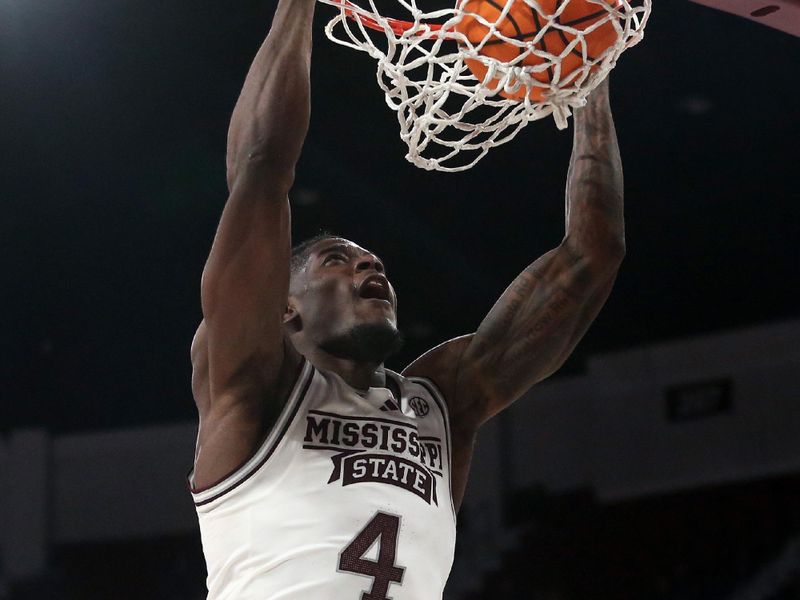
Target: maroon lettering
[(337, 425), (369, 435), (423, 454), (413, 444), (350, 433), (384, 437), (384, 571), (317, 430), (434, 455), (383, 468), (399, 440)]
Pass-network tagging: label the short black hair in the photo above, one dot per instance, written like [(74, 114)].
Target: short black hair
[(302, 251)]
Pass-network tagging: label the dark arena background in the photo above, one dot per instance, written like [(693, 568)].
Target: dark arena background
[(662, 462)]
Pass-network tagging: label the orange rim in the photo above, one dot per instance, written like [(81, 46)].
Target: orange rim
[(398, 26)]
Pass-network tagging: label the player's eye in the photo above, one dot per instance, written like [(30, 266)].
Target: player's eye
[(334, 257)]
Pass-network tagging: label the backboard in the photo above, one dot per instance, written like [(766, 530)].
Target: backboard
[(778, 14)]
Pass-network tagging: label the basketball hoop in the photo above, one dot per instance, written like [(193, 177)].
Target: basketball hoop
[(451, 77)]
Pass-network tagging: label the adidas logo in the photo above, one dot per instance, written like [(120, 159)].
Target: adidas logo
[(389, 405)]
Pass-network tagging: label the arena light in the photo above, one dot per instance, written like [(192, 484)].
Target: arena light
[(783, 15)]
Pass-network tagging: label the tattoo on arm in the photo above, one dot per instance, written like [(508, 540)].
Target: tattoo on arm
[(536, 323), (539, 319), (594, 182)]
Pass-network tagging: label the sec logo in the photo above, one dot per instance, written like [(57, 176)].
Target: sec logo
[(419, 406)]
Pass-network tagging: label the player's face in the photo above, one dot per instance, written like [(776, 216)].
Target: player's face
[(343, 286)]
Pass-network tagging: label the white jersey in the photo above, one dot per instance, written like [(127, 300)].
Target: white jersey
[(348, 498)]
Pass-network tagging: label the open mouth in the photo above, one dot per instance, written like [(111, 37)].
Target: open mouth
[(375, 288)]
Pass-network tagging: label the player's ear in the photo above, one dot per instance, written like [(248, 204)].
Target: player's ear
[(291, 318)]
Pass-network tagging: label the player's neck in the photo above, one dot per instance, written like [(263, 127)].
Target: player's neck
[(358, 375)]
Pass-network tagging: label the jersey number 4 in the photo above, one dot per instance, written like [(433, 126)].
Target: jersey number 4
[(383, 571)]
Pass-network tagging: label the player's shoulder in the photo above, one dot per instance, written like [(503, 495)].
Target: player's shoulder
[(440, 365), (287, 375), (440, 360)]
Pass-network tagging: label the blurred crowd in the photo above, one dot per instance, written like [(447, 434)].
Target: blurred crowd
[(704, 544)]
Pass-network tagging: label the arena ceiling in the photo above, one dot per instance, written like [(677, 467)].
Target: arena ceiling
[(114, 117)]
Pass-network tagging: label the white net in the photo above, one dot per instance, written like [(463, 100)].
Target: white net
[(468, 78)]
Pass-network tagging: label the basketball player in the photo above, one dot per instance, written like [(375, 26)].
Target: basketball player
[(319, 474)]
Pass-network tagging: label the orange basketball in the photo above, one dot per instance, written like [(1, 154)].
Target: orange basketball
[(523, 23)]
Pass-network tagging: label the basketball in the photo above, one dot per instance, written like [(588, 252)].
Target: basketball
[(523, 23)]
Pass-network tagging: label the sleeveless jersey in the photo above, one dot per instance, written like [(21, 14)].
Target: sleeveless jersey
[(348, 498)]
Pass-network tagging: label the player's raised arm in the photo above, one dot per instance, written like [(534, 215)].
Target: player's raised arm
[(539, 319), (240, 345)]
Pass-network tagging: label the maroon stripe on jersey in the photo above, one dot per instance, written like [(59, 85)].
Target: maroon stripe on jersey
[(240, 466), (439, 399), (286, 425)]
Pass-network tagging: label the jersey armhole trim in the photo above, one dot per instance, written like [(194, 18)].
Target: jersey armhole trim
[(252, 465), (441, 402)]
